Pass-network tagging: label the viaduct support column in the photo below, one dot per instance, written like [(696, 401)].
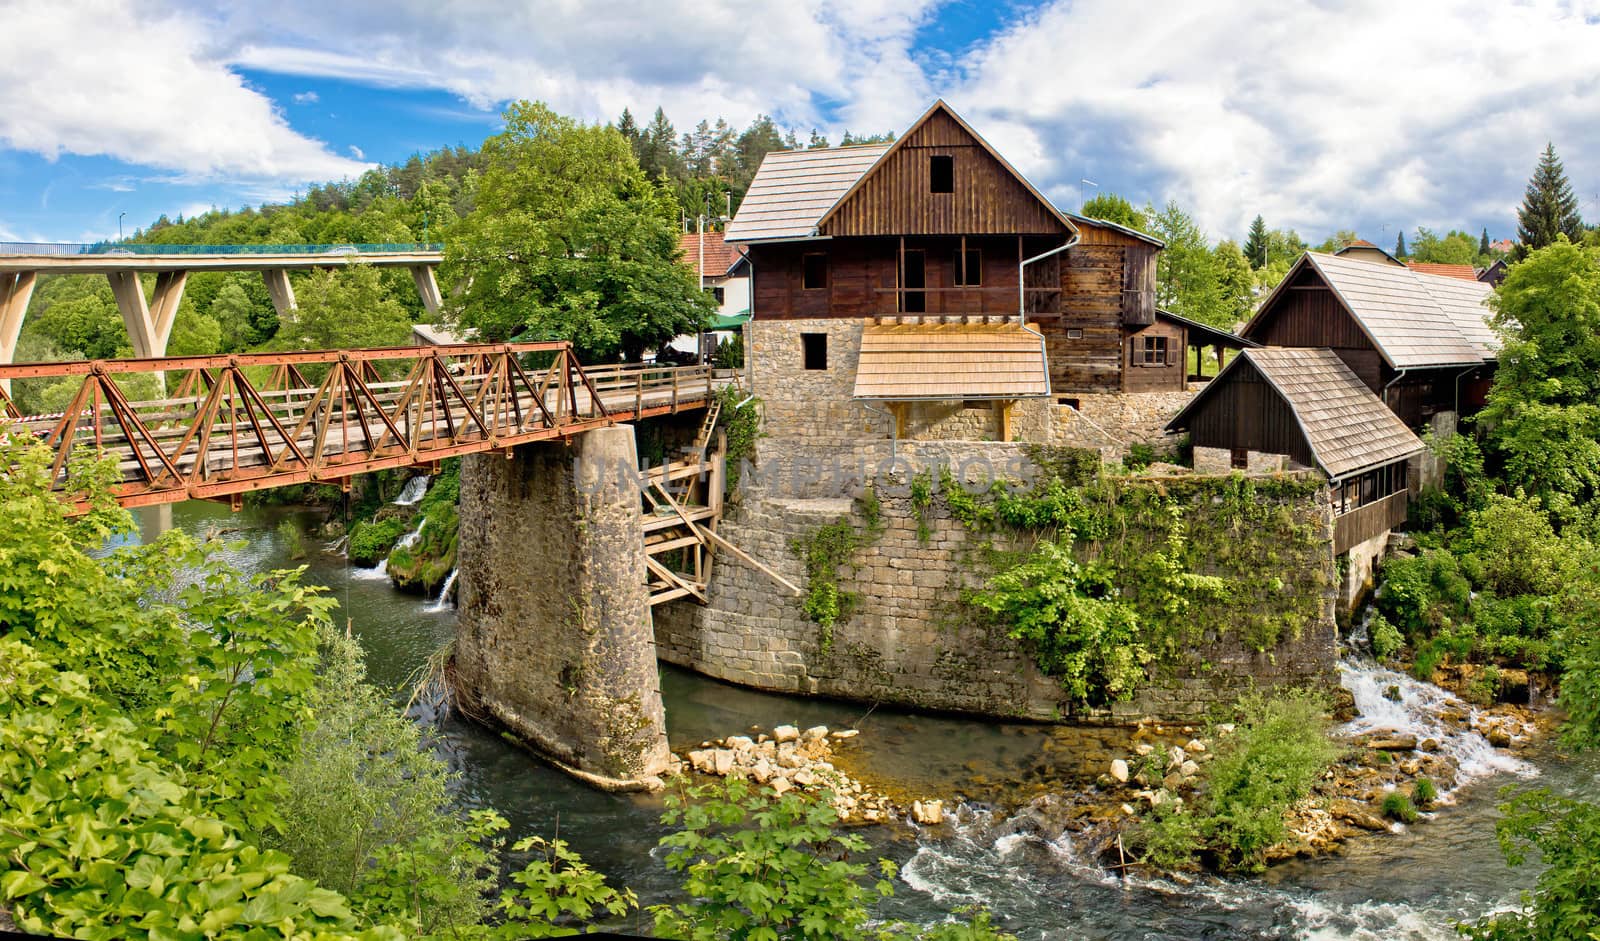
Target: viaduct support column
[(554, 638), (15, 292)]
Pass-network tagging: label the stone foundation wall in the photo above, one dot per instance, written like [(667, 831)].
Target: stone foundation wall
[(1115, 421), (913, 642), (1359, 570), (1220, 461)]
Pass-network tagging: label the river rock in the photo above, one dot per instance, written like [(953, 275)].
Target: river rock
[(789, 756), (722, 761), (739, 743), (1173, 781), (762, 771), (781, 786), (927, 813), (1428, 745), (1499, 737), (785, 733), (815, 733), (700, 760), (1189, 769), (1143, 748), (1195, 746), (1119, 771), (1393, 741), (844, 733), (1356, 815), (1176, 757)]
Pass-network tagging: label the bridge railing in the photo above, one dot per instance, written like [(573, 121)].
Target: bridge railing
[(245, 422), (142, 248)]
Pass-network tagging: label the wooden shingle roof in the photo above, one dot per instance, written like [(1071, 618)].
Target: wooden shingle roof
[(794, 189), (903, 362), (1415, 320), (1464, 272), (1347, 427)]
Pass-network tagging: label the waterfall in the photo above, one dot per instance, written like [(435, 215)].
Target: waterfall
[(442, 603), (381, 570), (1419, 711), (410, 539), (412, 491)]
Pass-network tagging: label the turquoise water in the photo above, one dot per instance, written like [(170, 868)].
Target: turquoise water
[(1409, 885)]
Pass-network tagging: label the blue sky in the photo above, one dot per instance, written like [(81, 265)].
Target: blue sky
[(1368, 115)]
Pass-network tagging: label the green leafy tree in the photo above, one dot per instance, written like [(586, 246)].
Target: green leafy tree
[(1236, 281), (1255, 247), (344, 309), (571, 240), (1188, 279), (1549, 207), (1544, 408), (1454, 248), (1113, 208), (1400, 246), (233, 311)]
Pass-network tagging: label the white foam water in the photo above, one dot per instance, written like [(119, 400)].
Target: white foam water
[(1418, 712), (379, 571), (442, 603), (410, 539), (412, 491)]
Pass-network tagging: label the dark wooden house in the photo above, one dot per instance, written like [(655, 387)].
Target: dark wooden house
[(937, 227), (1420, 342), (1311, 408)]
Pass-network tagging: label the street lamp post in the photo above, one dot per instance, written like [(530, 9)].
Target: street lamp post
[(119, 224)]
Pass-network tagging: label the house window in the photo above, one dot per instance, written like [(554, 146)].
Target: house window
[(1152, 351), (1075, 333), (1239, 458), (815, 266), (718, 295), (969, 268), (941, 173), (814, 350)]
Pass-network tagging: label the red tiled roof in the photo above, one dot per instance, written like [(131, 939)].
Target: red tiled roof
[(720, 256), (1361, 243), (1464, 272)]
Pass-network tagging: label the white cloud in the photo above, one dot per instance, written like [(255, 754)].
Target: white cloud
[(357, 153), (307, 98), (134, 81), (1315, 115), (697, 58)]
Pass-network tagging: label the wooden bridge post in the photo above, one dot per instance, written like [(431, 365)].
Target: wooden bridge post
[(555, 639)]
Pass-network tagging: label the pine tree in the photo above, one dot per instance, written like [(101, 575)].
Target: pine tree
[(1255, 247), (1483, 243), (1549, 208), (1400, 246)]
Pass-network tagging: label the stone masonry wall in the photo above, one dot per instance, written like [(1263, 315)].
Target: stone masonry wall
[(1113, 422), (1220, 461), (912, 642)]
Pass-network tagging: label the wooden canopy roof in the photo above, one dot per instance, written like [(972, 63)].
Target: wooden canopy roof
[(901, 362), (1414, 320), (805, 194), (1342, 426)]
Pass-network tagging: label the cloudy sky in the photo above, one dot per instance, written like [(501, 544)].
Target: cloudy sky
[(1375, 115)]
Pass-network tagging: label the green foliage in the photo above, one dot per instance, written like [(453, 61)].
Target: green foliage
[(554, 894), (827, 549), (1386, 638), (341, 309), (764, 867), (741, 422), (1255, 247), (788, 876), (1423, 594), (1544, 408), (571, 239), (294, 541), (1424, 792), (1072, 619), (1140, 456), (1188, 280), (1113, 208), (729, 353), (1277, 751), (921, 501), (1566, 835), (1580, 691), (424, 565), (1397, 806), (1455, 248), (368, 810), (371, 542), (1549, 208), (1236, 282)]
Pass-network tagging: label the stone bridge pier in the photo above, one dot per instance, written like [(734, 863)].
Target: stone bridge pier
[(555, 640)]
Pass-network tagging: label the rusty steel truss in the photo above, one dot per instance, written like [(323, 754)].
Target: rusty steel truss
[(233, 424)]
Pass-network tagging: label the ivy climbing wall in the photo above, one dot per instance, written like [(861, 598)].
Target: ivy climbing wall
[(1208, 585)]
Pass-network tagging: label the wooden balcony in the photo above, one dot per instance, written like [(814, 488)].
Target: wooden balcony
[(1363, 523), (962, 301)]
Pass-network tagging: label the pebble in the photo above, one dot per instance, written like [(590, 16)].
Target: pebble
[(1119, 771)]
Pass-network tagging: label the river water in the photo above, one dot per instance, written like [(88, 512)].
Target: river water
[(1412, 884)]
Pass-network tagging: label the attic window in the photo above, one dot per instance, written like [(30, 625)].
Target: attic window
[(941, 173)]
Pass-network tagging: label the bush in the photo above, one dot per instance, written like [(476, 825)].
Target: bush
[(371, 542), (1424, 792), (1277, 751), (1423, 593), (293, 540), (1397, 806), (1386, 639)]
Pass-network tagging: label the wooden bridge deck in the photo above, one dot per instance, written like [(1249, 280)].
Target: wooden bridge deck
[(242, 423)]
